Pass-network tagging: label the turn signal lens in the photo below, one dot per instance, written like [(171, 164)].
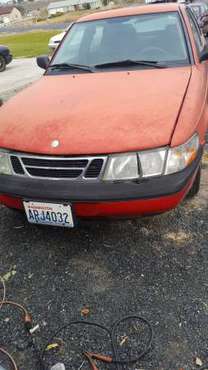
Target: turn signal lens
[(183, 155)]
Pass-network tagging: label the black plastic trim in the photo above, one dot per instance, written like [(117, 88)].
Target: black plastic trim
[(66, 190)]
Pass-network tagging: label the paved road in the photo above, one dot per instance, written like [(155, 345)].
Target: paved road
[(18, 74), (33, 27), (157, 267)]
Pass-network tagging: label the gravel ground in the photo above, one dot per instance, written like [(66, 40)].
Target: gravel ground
[(155, 267)]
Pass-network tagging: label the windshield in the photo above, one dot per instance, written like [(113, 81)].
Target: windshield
[(155, 37)]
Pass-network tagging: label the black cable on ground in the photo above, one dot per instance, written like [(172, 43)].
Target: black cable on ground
[(111, 332), (113, 340), (116, 361)]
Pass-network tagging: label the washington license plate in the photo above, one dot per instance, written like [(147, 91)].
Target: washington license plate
[(49, 214)]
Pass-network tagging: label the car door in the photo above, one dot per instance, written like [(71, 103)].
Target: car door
[(194, 113), (200, 44)]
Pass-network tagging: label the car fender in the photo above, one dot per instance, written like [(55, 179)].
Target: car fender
[(194, 112)]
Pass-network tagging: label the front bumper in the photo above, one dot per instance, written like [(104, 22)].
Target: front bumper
[(103, 199)]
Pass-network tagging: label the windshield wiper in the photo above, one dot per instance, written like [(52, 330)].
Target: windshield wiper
[(65, 66), (131, 62), (119, 63)]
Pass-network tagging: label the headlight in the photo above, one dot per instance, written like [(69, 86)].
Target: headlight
[(181, 156), (152, 162), (134, 165), (5, 166), (122, 167), (156, 162)]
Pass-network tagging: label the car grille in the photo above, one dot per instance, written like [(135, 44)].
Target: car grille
[(72, 168)]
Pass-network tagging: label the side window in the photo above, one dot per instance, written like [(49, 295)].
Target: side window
[(196, 33)]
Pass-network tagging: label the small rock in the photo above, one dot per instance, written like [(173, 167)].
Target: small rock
[(198, 361)]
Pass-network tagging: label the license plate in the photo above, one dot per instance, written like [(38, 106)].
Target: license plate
[(49, 214)]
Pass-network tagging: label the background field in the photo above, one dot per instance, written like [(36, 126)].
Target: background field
[(28, 44)]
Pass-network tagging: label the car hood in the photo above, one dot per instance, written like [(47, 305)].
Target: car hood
[(95, 113)]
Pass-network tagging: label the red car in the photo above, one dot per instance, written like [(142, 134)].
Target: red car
[(116, 126)]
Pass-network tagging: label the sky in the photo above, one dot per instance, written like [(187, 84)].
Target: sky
[(3, 2)]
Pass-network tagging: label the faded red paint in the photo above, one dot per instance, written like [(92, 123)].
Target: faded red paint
[(95, 113), (142, 9)]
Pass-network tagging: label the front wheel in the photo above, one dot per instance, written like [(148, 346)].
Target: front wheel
[(2, 63), (196, 185)]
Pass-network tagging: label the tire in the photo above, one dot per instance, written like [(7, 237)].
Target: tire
[(2, 63), (196, 185)]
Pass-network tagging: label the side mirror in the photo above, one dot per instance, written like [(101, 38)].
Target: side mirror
[(43, 61), (204, 54)]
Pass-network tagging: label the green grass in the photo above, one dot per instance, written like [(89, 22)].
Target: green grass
[(29, 44)]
